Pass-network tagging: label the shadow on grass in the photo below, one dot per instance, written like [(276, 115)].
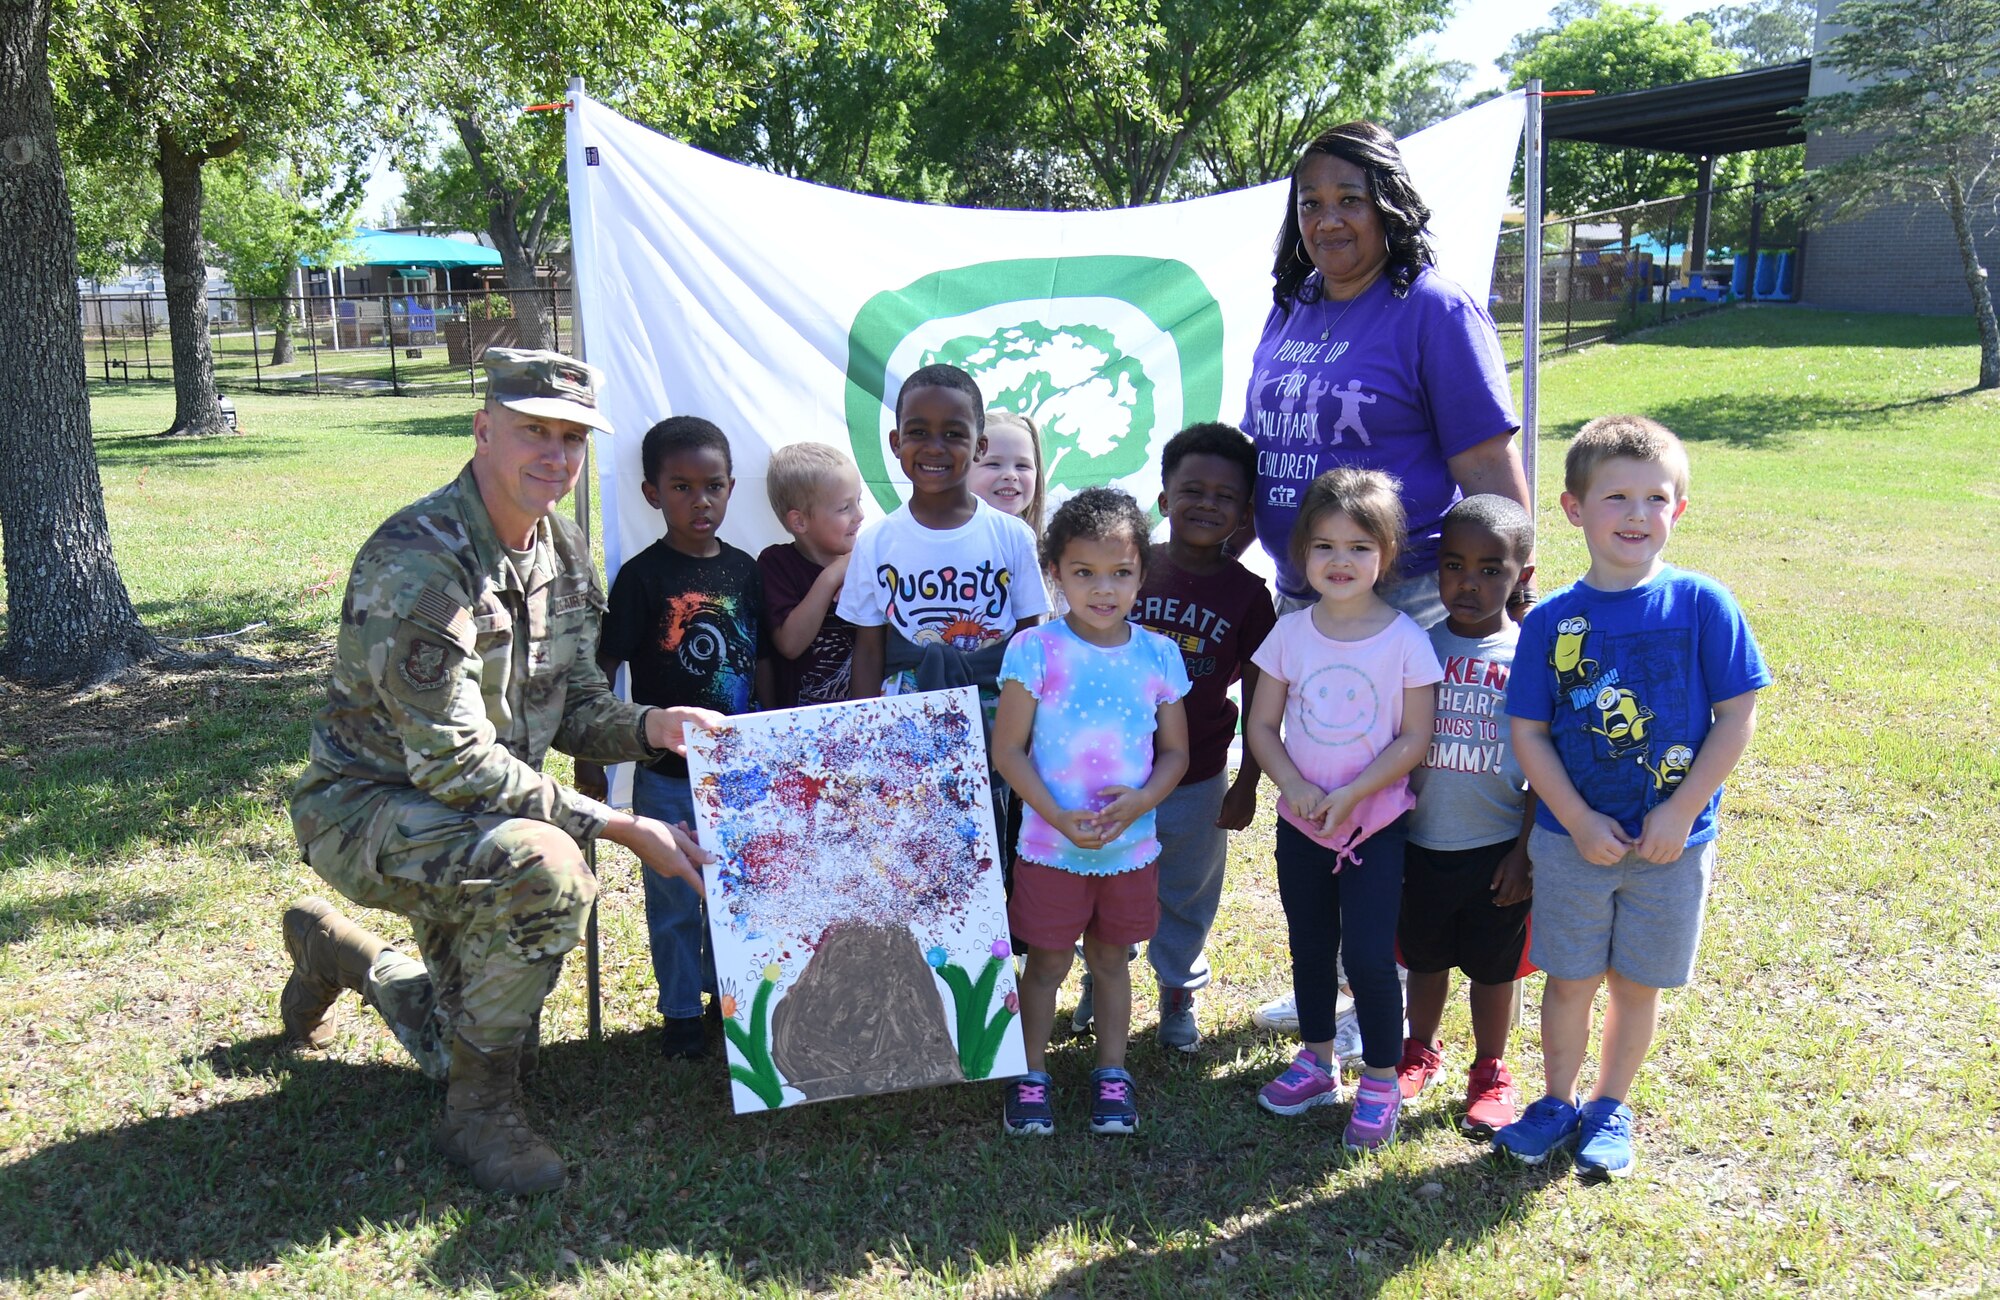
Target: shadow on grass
[(95, 905), (1762, 421), (142, 450), (214, 613), (667, 1184), (1791, 325), (138, 450), (162, 758)]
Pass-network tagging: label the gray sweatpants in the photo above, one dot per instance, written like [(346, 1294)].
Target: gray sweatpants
[(1193, 852)]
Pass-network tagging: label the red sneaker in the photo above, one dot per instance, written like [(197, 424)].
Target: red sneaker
[(1418, 1069), (1491, 1103)]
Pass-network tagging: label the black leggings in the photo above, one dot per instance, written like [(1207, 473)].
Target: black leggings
[(1361, 904)]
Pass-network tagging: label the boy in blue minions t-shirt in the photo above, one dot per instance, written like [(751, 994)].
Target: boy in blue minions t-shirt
[(1633, 696)]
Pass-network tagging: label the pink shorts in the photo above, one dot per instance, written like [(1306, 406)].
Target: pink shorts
[(1051, 907)]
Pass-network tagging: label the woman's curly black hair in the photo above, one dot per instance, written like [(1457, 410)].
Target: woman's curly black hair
[(1096, 514), (1404, 215)]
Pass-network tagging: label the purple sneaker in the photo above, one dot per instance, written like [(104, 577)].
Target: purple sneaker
[(1307, 1082), (1373, 1123)]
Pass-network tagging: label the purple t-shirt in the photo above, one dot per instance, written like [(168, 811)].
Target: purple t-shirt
[(1379, 382), (1217, 620)]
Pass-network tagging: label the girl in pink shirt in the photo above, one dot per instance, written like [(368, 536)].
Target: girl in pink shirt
[(1342, 714)]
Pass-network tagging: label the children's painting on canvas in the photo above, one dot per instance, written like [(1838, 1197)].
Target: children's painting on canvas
[(856, 906)]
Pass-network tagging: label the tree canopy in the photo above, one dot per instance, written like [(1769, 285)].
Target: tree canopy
[(1612, 48), (183, 83), (1764, 32)]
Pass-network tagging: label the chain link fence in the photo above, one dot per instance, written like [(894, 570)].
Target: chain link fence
[(1603, 274), (1609, 273), (359, 345)]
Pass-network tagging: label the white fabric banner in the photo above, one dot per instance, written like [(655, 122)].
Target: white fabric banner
[(785, 311)]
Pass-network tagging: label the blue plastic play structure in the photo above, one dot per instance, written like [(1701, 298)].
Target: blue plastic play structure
[(1773, 279)]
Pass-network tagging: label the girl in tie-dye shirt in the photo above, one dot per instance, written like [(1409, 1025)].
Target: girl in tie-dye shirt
[(1092, 736)]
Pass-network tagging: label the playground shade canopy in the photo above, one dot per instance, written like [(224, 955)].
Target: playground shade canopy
[(1716, 115), (385, 248)]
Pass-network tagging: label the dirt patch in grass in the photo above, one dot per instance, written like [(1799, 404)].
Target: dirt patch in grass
[(43, 723)]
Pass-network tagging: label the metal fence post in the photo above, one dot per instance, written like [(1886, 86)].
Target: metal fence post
[(1569, 287), (1670, 252), (256, 348), (312, 332), (103, 342), (389, 333), (146, 332)]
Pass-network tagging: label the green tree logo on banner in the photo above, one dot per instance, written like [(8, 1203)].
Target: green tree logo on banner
[(1059, 341)]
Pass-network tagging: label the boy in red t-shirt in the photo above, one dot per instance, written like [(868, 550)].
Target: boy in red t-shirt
[(1218, 613), (816, 493)]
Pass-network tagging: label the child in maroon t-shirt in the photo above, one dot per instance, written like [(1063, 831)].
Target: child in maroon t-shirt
[(816, 493), (1218, 613)]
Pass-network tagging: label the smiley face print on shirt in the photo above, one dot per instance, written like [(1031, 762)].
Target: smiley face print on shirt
[(1338, 704)]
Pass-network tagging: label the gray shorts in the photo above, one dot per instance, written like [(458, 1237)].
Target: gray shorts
[(1641, 919)]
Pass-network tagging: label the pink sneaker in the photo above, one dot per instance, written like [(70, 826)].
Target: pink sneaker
[(1491, 1102), (1373, 1123), (1418, 1069), (1306, 1083)]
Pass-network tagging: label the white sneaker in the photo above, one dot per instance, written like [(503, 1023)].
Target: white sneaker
[(1347, 1036), (1281, 1016)]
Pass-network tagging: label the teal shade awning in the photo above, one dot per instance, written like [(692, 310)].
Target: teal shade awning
[(415, 254)]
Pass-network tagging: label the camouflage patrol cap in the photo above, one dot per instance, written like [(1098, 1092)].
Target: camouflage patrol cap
[(547, 384)]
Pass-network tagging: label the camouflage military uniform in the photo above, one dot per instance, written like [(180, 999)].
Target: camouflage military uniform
[(453, 676)]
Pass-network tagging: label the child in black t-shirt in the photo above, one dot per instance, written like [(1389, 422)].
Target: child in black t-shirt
[(687, 615)]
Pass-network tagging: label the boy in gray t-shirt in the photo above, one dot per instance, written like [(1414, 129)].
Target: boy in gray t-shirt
[(1466, 874)]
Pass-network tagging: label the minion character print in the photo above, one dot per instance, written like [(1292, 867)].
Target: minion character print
[(1623, 721), (1672, 769), (1572, 669)]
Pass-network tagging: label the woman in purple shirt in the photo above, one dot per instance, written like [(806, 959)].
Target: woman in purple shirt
[(1371, 358)]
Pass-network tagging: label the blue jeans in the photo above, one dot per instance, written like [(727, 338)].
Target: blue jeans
[(1356, 909), (1193, 852), (676, 918)]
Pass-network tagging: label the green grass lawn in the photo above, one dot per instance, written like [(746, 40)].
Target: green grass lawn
[(1819, 1115)]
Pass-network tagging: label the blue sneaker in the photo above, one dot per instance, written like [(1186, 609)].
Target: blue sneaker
[(1604, 1140), (1112, 1109), (1550, 1125), (1028, 1112)]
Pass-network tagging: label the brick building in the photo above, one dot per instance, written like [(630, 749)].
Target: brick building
[(1900, 257)]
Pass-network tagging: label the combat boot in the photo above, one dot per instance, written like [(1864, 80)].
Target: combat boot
[(484, 1128), (329, 953)]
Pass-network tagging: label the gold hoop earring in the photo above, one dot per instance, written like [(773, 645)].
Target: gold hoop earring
[(1299, 251)]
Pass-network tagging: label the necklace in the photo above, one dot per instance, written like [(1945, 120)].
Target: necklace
[(1328, 331), (1323, 334)]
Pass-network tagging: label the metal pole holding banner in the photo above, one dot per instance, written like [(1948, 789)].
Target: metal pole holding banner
[(593, 978), (1531, 291), (1531, 338)]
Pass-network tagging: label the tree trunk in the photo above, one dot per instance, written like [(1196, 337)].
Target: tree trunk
[(68, 615), (1976, 280), (518, 264), (863, 1017), (282, 350), (186, 273), (503, 226)]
